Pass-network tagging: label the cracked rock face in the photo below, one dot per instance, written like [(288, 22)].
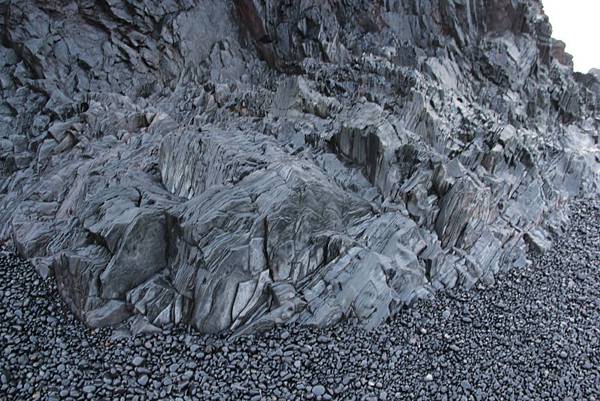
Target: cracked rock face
[(234, 165)]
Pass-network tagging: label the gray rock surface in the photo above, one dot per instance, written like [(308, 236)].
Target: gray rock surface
[(233, 165), (531, 335)]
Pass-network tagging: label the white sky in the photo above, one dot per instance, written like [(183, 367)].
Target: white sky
[(577, 23)]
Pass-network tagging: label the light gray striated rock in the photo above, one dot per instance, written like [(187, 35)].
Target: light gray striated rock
[(110, 314), (77, 274), (193, 162), (464, 213), (141, 254), (294, 97), (234, 165)]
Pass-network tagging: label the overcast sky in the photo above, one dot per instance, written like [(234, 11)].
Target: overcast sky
[(577, 23)]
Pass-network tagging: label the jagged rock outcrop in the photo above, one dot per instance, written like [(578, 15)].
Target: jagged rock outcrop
[(233, 165)]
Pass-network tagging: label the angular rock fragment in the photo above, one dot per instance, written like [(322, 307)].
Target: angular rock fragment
[(193, 162), (77, 274), (294, 96), (141, 253), (110, 314), (464, 214), (234, 165)]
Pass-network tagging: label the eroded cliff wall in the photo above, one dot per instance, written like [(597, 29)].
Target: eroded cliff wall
[(237, 164)]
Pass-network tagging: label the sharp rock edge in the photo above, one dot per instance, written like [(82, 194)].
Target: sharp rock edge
[(235, 165)]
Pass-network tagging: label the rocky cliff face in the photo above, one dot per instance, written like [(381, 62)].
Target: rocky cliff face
[(237, 164)]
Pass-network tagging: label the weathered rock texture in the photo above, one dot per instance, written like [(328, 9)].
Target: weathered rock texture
[(237, 164)]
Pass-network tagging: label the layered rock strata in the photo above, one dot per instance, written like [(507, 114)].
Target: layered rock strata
[(233, 165)]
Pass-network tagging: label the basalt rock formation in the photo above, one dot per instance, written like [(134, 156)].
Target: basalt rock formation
[(233, 165)]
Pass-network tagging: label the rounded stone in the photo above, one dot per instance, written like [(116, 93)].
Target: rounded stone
[(318, 390)]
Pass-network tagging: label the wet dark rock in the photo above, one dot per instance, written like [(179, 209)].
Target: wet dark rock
[(89, 389), (318, 390), (143, 380), (137, 361)]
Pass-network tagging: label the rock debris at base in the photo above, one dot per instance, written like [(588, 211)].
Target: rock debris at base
[(533, 335)]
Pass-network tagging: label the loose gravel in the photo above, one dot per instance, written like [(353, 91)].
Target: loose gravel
[(533, 335)]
